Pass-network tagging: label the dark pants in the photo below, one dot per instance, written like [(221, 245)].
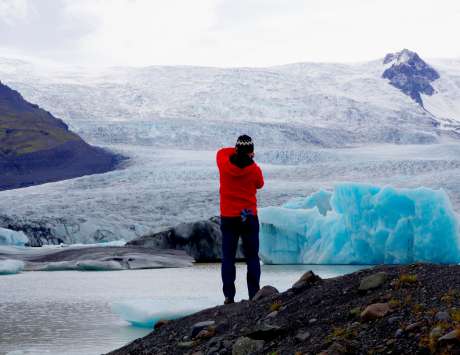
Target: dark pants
[(232, 228)]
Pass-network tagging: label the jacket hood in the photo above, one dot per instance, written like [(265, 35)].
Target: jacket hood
[(234, 170)]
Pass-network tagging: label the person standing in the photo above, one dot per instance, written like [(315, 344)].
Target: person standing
[(240, 178)]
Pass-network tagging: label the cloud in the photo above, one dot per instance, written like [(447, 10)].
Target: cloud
[(226, 32), (13, 11), (42, 28)]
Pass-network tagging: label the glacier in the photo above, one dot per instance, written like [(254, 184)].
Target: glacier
[(314, 124), (357, 223), (11, 266), (10, 237)]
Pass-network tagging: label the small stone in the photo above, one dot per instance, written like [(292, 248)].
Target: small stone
[(393, 320), (198, 353), (305, 280), (160, 323), (390, 342), (205, 333), (272, 314), (302, 336), (442, 317), (374, 311), (436, 333), (246, 346), (373, 281), (227, 344), (244, 330), (198, 327), (355, 312), (221, 327), (412, 327), (312, 321), (186, 344), (265, 292), (215, 342), (399, 333), (451, 336), (336, 349)]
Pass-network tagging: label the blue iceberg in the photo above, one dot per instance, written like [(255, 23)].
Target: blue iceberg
[(10, 237), (11, 266), (361, 224), (145, 313)]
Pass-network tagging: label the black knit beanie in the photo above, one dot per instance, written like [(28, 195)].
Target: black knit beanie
[(244, 145)]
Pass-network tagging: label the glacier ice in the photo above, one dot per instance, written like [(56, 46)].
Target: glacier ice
[(11, 266), (10, 237), (362, 224), (145, 313)]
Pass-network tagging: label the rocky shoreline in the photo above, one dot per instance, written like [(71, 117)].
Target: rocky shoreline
[(412, 309)]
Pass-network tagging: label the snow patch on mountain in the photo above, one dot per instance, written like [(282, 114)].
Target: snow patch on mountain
[(409, 73)]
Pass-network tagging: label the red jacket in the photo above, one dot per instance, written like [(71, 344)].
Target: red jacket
[(238, 186)]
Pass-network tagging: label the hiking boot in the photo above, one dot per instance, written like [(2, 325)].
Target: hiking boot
[(228, 301)]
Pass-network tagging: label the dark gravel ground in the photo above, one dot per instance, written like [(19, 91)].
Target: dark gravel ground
[(324, 316)]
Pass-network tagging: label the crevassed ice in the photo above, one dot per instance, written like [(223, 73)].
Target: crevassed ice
[(10, 237), (361, 224)]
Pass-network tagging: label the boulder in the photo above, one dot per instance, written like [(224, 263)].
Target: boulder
[(198, 327), (246, 346), (442, 317), (265, 292), (373, 281), (454, 335), (374, 311), (265, 332), (305, 280), (201, 240)]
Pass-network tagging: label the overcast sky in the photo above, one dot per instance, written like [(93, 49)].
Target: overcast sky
[(225, 32)]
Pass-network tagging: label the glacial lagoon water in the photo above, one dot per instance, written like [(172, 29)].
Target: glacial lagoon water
[(70, 312)]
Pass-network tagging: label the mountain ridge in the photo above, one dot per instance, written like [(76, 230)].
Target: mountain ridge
[(36, 147)]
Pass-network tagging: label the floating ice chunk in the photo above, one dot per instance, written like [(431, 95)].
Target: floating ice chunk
[(83, 265), (10, 266), (145, 313), (364, 225), (10, 237), (113, 243)]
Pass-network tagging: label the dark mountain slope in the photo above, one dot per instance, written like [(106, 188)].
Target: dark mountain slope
[(36, 147)]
